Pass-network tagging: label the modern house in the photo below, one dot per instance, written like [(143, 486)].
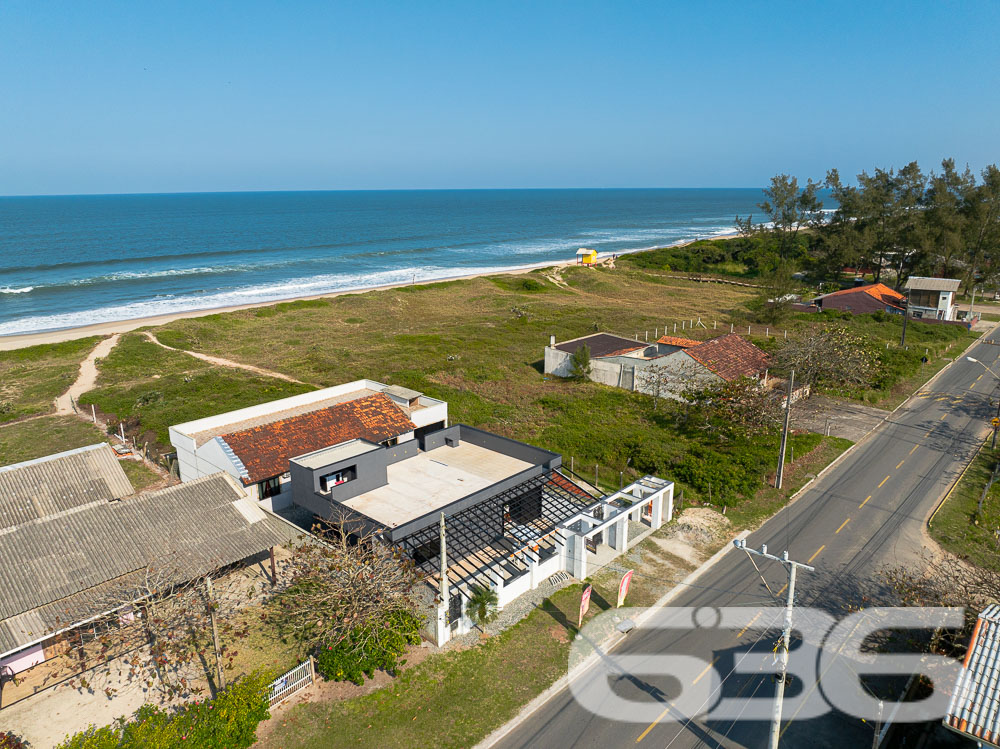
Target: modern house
[(663, 368), (932, 298), (255, 445), (512, 517), (77, 541), (585, 256), (974, 708), (864, 299)]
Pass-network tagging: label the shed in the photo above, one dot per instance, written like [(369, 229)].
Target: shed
[(585, 256)]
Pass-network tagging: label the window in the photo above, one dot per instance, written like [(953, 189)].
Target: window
[(269, 487), (391, 442), (336, 478)]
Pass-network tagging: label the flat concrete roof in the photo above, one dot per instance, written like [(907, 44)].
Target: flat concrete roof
[(329, 455), (432, 480)]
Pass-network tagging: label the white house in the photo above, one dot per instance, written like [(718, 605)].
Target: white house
[(932, 298)]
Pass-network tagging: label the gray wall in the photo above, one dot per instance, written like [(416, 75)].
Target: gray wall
[(371, 474)]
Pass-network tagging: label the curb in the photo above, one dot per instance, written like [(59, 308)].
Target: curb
[(610, 643)]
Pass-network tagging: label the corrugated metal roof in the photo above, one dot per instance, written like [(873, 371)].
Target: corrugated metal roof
[(975, 704), (82, 562), (60, 482), (922, 283)]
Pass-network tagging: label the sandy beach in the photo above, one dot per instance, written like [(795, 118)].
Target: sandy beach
[(23, 340)]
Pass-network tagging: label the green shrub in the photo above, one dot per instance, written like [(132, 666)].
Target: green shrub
[(370, 649), (228, 722), (10, 741)]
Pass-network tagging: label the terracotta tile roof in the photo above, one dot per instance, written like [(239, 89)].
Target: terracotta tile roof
[(266, 449), (730, 357), (672, 340), (878, 291)]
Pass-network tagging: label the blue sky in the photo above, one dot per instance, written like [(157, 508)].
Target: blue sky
[(192, 96)]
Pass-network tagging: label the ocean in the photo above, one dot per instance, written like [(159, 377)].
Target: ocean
[(68, 261)]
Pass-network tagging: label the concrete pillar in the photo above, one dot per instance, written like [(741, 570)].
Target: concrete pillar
[(621, 534), (532, 559), (443, 631), (552, 340), (579, 553)]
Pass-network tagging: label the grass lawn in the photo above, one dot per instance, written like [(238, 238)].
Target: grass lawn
[(955, 526), (31, 378), (37, 438), (141, 476)]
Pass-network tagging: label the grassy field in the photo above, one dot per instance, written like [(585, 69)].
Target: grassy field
[(958, 528), (32, 378), (37, 438)]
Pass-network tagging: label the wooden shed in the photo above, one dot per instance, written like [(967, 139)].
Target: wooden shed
[(586, 256)]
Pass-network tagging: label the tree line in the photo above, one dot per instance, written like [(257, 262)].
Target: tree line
[(891, 223)]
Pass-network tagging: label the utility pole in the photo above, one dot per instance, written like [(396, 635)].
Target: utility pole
[(972, 304), (906, 314), (445, 593), (782, 676), (784, 432)]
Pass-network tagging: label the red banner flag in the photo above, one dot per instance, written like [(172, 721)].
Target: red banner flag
[(584, 603), (623, 587)]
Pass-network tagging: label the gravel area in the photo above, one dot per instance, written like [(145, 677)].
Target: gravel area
[(514, 611)]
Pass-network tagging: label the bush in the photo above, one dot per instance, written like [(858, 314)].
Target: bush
[(228, 722), (10, 741), (370, 649)]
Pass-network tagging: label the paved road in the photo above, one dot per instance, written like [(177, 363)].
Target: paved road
[(867, 512)]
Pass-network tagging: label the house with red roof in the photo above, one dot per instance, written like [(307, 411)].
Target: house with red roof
[(864, 299), (383, 461), (664, 368)]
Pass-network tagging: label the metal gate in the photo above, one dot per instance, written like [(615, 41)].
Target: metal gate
[(295, 680)]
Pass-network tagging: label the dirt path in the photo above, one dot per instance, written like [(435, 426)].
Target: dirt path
[(226, 362), (87, 378)]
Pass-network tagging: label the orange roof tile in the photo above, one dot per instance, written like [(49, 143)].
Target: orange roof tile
[(266, 449), (878, 291), (730, 357), (672, 340)]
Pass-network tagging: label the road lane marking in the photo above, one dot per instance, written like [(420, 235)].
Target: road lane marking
[(979, 378), (781, 590), (816, 553), (750, 624), (928, 432), (901, 463), (707, 669), (883, 481), (943, 415), (914, 449), (652, 725), (865, 502), (841, 526)]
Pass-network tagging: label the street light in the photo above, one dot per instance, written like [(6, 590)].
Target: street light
[(996, 419)]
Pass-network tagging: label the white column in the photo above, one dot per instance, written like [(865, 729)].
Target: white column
[(532, 569), (443, 631), (579, 557), (621, 534)]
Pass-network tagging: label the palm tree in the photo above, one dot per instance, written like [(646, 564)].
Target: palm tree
[(482, 606)]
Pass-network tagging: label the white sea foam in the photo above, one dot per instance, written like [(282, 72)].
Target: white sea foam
[(292, 288), (21, 290)]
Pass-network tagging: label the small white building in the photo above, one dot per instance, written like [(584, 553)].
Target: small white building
[(932, 298), (256, 444)]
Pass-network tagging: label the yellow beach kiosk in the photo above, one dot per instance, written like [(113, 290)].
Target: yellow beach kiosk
[(585, 256)]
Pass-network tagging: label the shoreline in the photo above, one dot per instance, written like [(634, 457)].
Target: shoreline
[(24, 340)]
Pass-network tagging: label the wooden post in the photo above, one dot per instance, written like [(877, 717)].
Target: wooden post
[(93, 412), (215, 632), (274, 571), (595, 477)]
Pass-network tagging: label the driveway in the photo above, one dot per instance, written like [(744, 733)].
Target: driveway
[(836, 417)]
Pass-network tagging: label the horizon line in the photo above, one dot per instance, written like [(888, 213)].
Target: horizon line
[(370, 189)]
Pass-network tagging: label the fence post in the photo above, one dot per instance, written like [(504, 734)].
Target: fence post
[(93, 412), (732, 326), (786, 334), (312, 670)]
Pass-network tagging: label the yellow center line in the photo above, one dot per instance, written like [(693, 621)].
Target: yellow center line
[(900, 463), (750, 624), (883, 481), (707, 669), (914, 449), (652, 725), (841, 526), (928, 432), (816, 553), (781, 590), (865, 502), (979, 378)]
